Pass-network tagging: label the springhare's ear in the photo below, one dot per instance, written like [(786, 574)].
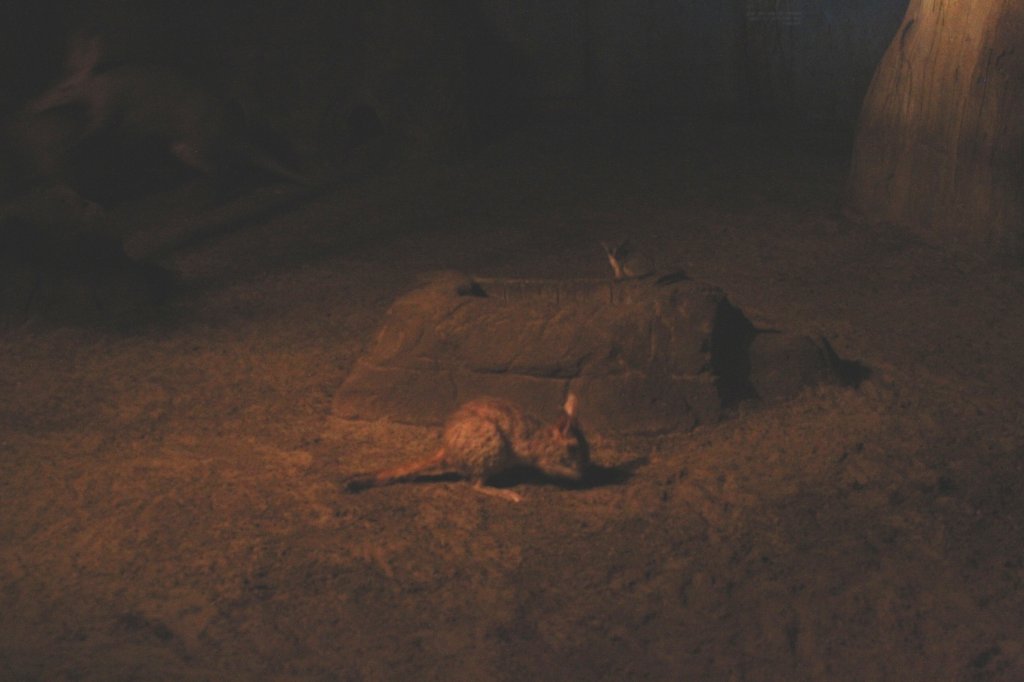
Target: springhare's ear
[(562, 425), (567, 420), (571, 405)]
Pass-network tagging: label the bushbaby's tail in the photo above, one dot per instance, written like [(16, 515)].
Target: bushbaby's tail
[(397, 474)]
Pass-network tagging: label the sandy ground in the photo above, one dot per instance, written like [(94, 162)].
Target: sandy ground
[(171, 497)]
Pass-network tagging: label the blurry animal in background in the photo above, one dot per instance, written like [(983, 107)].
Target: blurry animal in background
[(487, 437), (627, 261), (156, 107), (42, 178), (39, 149)]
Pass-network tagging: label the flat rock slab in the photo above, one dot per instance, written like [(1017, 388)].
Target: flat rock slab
[(646, 356)]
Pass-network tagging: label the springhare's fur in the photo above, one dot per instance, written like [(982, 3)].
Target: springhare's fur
[(489, 436)]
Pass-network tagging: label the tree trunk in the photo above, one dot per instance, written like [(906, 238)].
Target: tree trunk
[(940, 142)]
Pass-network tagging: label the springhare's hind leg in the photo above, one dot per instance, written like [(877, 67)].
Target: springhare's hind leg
[(497, 492)]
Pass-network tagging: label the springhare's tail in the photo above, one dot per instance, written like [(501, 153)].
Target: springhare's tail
[(404, 472)]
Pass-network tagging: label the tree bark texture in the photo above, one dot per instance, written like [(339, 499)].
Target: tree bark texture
[(940, 141)]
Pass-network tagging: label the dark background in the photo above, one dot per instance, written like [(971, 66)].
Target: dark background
[(448, 73)]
